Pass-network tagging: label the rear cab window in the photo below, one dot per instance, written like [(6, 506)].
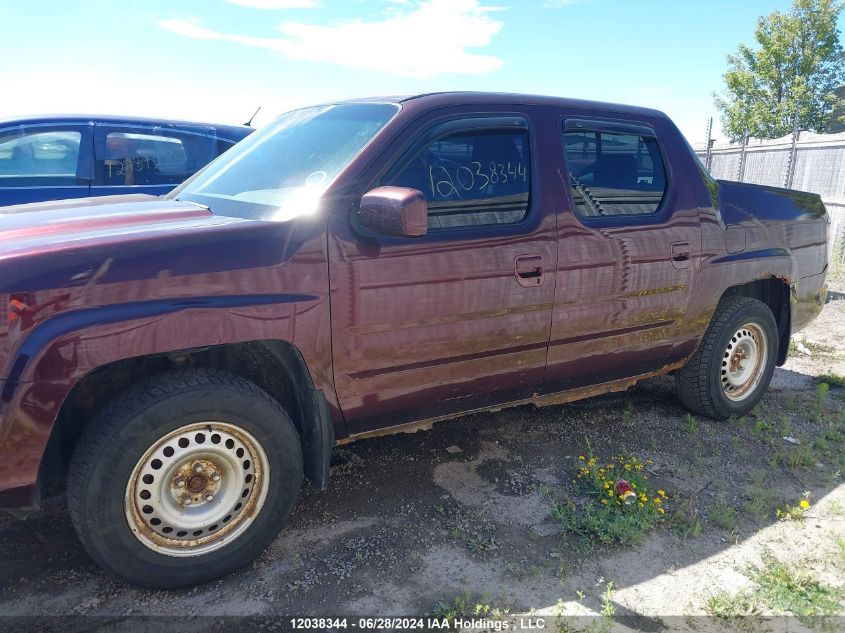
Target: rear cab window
[(614, 170), (470, 177)]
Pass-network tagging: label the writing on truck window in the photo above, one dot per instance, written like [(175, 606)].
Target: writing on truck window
[(472, 179), (445, 183)]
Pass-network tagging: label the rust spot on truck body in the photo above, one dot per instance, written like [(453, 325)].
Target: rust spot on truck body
[(537, 400)]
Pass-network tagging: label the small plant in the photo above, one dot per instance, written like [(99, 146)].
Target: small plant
[(723, 515), (840, 551), (778, 588), (834, 509), (685, 522), (833, 379), (619, 506), (465, 605), (786, 589), (758, 494), (821, 400), (608, 609), (801, 457), (690, 423), (794, 513), (724, 605), (761, 425), (478, 543)]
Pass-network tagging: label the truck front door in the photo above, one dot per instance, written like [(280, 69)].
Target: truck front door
[(457, 319)]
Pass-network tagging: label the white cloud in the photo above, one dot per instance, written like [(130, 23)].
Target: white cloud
[(275, 5), (431, 38)]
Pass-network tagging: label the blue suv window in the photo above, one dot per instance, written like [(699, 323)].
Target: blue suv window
[(32, 157), (130, 157)]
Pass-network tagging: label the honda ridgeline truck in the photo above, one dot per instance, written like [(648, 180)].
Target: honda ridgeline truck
[(176, 365)]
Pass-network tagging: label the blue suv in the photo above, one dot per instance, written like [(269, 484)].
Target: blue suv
[(52, 158)]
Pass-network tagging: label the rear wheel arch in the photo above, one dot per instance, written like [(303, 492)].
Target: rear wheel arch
[(776, 294), (731, 369), (276, 366)]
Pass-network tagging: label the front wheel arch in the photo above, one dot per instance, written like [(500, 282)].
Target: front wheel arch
[(276, 366)]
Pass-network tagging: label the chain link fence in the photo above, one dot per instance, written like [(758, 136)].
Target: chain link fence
[(804, 161)]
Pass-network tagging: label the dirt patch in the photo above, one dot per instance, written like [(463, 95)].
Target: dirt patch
[(407, 523)]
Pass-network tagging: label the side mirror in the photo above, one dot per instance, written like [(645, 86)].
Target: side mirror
[(395, 211)]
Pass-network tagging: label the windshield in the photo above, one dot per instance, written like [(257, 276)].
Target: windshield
[(280, 172)]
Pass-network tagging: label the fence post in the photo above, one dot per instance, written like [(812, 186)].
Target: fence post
[(709, 142), (790, 163), (742, 158)]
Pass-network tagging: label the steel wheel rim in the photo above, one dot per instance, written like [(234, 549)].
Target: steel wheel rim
[(744, 362), (197, 489)]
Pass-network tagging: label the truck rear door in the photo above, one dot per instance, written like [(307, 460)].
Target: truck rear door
[(458, 319), (629, 247)]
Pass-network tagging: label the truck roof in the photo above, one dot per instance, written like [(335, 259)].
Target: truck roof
[(431, 99)]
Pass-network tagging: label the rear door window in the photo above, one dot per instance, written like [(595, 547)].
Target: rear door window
[(614, 173), (130, 156)]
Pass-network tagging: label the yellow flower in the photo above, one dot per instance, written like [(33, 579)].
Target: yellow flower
[(627, 466), (604, 501), (642, 504), (656, 500), (581, 457), (661, 493), (804, 504), (661, 510), (609, 493)]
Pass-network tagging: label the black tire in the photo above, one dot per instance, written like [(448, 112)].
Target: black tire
[(121, 434), (699, 382)]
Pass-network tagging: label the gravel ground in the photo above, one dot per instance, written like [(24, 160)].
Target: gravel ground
[(410, 521)]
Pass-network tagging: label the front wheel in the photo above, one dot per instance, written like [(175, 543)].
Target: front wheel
[(184, 478), (733, 365)]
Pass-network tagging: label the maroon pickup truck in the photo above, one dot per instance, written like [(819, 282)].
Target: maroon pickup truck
[(177, 365)]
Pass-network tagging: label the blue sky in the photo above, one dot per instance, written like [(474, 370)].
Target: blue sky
[(218, 60)]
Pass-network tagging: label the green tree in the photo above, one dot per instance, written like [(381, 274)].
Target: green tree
[(792, 74)]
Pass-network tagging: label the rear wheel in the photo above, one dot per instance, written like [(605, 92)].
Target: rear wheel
[(184, 478), (733, 365)]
